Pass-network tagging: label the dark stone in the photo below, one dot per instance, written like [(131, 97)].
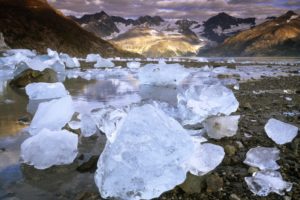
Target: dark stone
[(32, 76), (214, 183), (89, 166)]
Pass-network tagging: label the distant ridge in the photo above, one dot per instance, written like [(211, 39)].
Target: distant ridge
[(34, 24)]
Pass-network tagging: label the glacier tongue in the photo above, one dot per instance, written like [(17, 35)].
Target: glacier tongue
[(52, 115), (280, 132), (49, 148), (264, 182), (263, 157), (149, 153), (37, 91), (199, 102)]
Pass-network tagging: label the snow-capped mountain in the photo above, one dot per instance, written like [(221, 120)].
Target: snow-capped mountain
[(275, 37), (154, 36)]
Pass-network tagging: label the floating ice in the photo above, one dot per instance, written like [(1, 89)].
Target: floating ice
[(280, 132), (49, 148), (100, 62), (219, 127), (146, 158), (133, 65), (25, 52), (264, 182), (206, 157), (52, 115), (162, 74), (69, 62), (262, 157), (199, 102), (37, 91), (88, 126), (201, 59), (108, 120)]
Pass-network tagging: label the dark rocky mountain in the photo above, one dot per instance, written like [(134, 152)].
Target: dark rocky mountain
[(104, 25), (216, 26), (34, 24), (277, 37)]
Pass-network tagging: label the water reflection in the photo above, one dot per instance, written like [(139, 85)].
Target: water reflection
[(12, 106)]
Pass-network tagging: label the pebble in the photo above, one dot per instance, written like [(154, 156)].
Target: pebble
[(234, 197), (230, 150), (252, 170), (214, 183)]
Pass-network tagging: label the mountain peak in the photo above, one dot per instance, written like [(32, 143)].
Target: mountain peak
[(290, 13)]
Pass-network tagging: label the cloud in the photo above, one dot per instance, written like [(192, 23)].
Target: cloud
[(194, 9)]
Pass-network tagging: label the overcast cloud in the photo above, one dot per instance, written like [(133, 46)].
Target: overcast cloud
[(194, 9)]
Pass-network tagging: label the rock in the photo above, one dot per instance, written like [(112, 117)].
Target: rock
[(193, 184), (230, 150), (252, 170), (32, 76), (234, 197), (214, 183), (89, 166)]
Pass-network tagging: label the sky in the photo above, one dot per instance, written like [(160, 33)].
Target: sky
[(192, 9)]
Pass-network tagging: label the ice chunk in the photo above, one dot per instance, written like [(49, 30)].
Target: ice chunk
[(37, 64), (133, 65), (264, 182), (104, 63), (206, 157), (88, 126), (37, 91), (146, 158), (75, 125), (100, 62), (263, 157), (219, 127), (69, 62), (49, 148), (199, 102), (280, 132), (201, 59), (162, 74), (108, 120), (52, 115), (25, 52)]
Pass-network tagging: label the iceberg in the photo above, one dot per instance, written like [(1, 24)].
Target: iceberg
[(280, 132), (49, 148), (52, 115), (147, 157), (263, 157), (162, 74), (38, 91), (199, 102), (264, 182), (219, 127)]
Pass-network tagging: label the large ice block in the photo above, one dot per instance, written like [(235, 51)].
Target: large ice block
[(38, 91), (199, 102), (52, 115), (162, 74), (49, 148), (147, 158)]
